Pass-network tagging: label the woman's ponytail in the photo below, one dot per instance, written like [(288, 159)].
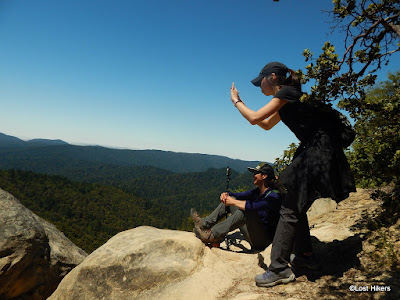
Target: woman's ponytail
[(293, 79)]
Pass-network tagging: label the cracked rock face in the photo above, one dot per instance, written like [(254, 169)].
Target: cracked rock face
[(34, 255)]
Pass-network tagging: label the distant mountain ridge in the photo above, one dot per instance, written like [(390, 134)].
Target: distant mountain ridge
[(46, 156), (8, 140), (47, 142)]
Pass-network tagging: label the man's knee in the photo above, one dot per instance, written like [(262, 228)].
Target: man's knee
[(237, 214)]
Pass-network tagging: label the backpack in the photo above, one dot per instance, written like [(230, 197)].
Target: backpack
[(339, 126)]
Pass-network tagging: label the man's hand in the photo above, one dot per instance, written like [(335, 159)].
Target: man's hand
[(223, 197), (230, 201)]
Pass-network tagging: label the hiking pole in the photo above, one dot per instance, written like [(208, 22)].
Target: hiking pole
[(228, 177)]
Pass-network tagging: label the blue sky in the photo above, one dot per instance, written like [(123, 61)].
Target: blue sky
[(151, 74)]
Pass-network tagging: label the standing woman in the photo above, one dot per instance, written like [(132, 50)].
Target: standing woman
[(319, 167)]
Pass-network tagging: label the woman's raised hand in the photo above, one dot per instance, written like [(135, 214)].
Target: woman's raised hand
[(234, 95)]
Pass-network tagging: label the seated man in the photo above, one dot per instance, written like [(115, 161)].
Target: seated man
[(255, 212)]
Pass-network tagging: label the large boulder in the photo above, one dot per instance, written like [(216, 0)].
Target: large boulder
[(34, 255), (151, 263)]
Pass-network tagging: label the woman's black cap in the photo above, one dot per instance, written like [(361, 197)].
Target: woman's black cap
[(263, 168), (273, 67)]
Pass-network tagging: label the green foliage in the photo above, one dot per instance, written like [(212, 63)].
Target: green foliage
[(66, 160), (375, 155), (167, 195), (390, 207), (240, 189), (371, 34), (90, 213), (376, 151), (282, 162)]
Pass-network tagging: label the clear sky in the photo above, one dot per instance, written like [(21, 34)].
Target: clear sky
[(151, 74)]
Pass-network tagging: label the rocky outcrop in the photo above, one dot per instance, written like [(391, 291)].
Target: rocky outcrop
[(142, 263), (150, 263), (34, 255)]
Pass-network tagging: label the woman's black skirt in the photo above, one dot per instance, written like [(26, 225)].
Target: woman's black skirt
[(319, 170)]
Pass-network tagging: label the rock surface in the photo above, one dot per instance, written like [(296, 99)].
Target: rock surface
[(149, 263), (34, 255)]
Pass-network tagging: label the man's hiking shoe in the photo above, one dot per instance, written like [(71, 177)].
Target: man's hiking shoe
[(196, 218), (302, 261), (270, 278), (206, 236)]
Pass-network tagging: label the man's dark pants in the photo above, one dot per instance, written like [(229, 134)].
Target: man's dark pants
[(248, 222)]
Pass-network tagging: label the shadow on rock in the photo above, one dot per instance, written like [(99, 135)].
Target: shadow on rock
[(360, 287), (393, 281), (236, 242), (335, 258)]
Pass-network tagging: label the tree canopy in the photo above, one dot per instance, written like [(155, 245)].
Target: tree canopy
[(376, 151), (371, 34), (375, 155)]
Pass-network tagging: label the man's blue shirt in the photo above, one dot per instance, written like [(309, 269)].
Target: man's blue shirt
[(267, 205)]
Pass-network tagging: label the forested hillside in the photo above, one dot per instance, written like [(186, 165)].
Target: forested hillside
[(91, 193), (59, 158), (89, 214)]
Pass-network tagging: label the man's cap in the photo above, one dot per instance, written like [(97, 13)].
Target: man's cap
[(263, 168), (272, 67)]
